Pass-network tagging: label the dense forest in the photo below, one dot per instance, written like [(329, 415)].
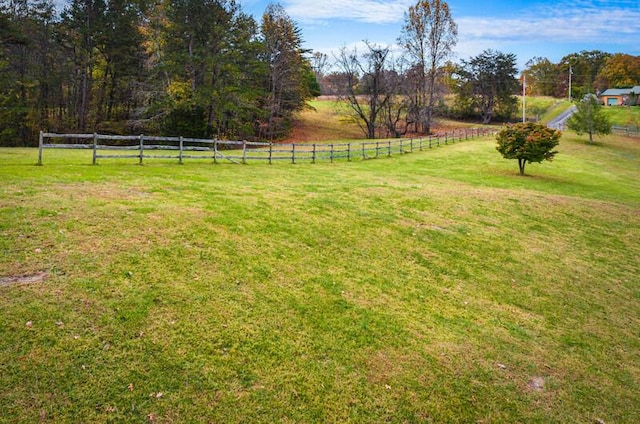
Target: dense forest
[(204, 68), (189, 67)]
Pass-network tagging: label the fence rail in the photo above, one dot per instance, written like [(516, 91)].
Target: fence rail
[(143, 147), (633, 131)]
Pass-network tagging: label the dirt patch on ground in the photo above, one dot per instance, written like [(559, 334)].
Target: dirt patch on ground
[(13, 280)]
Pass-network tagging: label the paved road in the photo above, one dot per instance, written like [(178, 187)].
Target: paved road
[(559, 123)]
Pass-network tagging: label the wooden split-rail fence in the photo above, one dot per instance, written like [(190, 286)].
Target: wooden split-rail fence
[(143, 147)]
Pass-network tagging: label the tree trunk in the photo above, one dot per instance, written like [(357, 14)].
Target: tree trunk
[(521, 164)]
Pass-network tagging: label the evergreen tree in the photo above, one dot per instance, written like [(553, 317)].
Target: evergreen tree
[(27, 72), (120, 62), (83, 25), (487, 84), (207, 55), (288, 77)]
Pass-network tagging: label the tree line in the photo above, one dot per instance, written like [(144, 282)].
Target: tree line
[(586, 72), (392, 96), (200, 68), (484, 87), (204, 68)]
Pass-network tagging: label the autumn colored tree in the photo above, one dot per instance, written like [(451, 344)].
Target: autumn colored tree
[(543, 77), (620, 71), (528, 143), (589, 118), (428, 35)]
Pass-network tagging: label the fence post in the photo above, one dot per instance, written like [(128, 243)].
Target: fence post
[(293, 153), (348, 152), (364, 155), (141, 149), (270, 153), (181, 147), (401, 147), (40, 143), (331, 153), (95, 147), (313, 154), (389, 148), (411, 144), (215, 150), (244, 151), (377, 148)]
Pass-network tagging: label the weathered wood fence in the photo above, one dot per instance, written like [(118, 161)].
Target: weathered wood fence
[(630, 131), (143, 147)]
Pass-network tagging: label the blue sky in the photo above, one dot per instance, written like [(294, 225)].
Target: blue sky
[(542, 28)]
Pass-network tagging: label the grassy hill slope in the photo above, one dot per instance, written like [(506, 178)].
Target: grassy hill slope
[(437, 286)]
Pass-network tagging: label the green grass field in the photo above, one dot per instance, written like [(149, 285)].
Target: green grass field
[(624, 116), (542, 108), (437, 286)]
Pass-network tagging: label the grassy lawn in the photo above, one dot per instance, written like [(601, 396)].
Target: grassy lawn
[(624, 116), (541, 107), (437, 286), (555, 109), (325, 120)]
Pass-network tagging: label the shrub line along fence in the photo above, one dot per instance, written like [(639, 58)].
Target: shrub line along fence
[(140, 146)]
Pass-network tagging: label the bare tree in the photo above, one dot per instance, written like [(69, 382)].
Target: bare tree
[(319, 63), (366, 89), (394, 114), (429, 35)]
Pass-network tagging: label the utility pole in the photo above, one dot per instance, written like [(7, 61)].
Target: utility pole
[(570, 74), (524, 98)]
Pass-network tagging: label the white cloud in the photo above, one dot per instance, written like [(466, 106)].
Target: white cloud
[(549, 29), (366, 11), (580, 22)]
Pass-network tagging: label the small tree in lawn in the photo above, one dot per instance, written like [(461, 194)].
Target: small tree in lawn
[(589, 118), (528, 142)]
